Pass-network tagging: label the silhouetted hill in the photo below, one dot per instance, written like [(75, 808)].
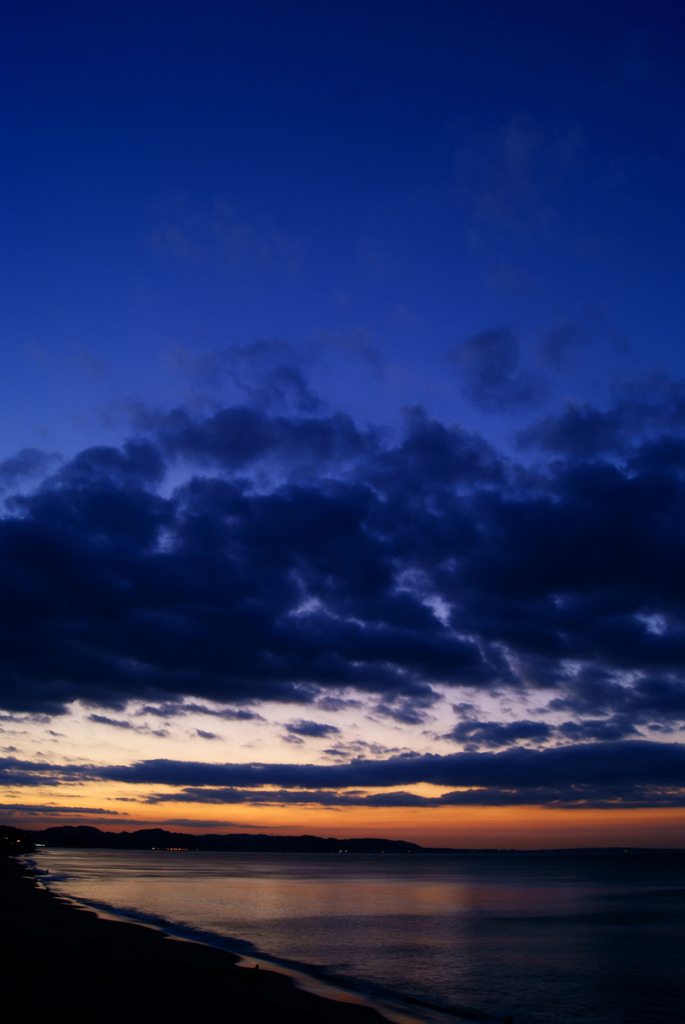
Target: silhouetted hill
[(86, 837)]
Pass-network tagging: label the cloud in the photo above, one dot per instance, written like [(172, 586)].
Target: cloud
[(361, 748), (397, 567), (334, 704), (176, 709), (493, 377), (206, 735), (280, 797), (614, 728), (408, 709), (268, 375), (646, 424), (602, 773), (432, 459), (496, 734), (27, 464), (315, 730), (606, 798), (104, 720), (130, 593), (474, 734), (17, 772), (636, 773), (137, 464), (239, 438), (581, 432), (646, 700), (60, 811), (639, 762), (272, 375)]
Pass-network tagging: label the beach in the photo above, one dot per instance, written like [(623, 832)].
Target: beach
[(58, 956)]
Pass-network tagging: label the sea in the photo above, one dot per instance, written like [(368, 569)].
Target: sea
[(538, 938)]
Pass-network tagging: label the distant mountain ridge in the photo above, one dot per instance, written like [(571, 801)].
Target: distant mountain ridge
[(87, 837)]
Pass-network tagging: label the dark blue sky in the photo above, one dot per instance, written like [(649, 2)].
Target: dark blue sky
[(372, 184), (343, 362)]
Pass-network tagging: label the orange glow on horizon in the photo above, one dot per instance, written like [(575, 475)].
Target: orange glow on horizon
[(516, 827)]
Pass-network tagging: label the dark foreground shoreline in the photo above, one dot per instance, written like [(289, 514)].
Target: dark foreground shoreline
[(59, 957)]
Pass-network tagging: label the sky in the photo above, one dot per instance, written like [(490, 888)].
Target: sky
[(342, 450)]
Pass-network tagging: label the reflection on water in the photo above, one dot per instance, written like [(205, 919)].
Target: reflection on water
[(543, 938)]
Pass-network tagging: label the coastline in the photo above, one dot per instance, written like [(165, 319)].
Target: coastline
[(59, 954)]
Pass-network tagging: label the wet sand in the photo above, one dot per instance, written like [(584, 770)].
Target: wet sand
[(58, 957)]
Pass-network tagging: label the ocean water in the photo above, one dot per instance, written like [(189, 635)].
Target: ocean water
[(543, 939)]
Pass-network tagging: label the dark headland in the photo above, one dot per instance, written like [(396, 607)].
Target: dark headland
[(86, 837)]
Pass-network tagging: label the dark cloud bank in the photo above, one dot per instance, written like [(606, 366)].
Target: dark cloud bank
[(304, 556), (634, 774)]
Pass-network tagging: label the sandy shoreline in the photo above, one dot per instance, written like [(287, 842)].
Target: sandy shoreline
[(59, 955)]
